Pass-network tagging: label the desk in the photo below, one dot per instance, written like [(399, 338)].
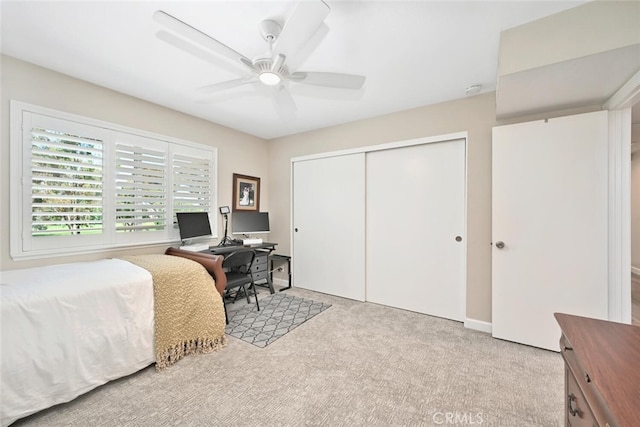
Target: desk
[(260, 265), (222, 250)]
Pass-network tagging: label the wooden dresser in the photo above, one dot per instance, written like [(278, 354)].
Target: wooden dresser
[(602, 372)]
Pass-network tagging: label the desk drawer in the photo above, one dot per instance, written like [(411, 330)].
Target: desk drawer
[(257, 268), (262, 275), (260, 266), (261, 258)]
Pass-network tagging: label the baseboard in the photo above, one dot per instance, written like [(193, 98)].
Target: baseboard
[(478, 325), (281, 282), (635, 270)]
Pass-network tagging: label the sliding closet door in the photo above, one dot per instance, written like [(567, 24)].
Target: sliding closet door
[(328, 225), (415, 228)]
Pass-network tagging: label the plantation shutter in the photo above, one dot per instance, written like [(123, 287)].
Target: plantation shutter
[(65, 176), (140, 187), (192, 180), (80, 185)]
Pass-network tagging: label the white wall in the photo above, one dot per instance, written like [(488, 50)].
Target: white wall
[(589, 29), (237, 152)]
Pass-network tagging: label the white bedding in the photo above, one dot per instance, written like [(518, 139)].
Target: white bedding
[(69, 328)]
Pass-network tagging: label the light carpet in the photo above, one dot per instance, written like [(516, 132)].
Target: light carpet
[(356, 364)]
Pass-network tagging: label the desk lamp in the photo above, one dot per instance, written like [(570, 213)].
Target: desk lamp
[(224, 210)]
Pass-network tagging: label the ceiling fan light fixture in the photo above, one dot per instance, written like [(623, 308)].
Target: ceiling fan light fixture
[(269, 78)]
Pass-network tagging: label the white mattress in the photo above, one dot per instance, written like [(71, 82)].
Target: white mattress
[(69, 328)]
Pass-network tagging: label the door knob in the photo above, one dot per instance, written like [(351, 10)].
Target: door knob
[(499, 244)]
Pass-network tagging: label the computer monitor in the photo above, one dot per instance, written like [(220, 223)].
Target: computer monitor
[(193, 224), (249, 222)]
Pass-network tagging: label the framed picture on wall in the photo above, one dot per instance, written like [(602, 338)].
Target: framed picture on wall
[(246, 193)]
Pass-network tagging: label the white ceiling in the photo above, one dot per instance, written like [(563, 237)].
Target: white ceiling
[(413, 53)]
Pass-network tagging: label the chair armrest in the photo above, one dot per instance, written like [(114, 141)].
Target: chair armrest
[(212, 263)]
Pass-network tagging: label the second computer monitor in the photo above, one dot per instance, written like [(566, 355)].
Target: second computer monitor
[(249, 222)]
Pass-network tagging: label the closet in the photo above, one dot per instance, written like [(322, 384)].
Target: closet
[(384, 224)]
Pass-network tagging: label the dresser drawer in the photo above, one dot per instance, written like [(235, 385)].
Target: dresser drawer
[(576, 408), (584, 405)]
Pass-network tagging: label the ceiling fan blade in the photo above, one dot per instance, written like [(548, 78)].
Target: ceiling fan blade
[(339, 80), (198, 37), (230, 84), (283, 102), (277, 63), (196, 51), (305, 19), (294, 62), (251, 89)]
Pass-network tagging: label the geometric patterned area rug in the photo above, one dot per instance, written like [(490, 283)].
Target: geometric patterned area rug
[(279, 313)]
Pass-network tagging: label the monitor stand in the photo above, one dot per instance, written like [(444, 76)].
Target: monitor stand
[(251, 241), (195, 248)]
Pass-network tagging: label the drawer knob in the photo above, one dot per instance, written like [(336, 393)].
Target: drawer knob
[(570, 399)]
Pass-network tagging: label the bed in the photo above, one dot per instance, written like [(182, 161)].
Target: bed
[(69, 328)]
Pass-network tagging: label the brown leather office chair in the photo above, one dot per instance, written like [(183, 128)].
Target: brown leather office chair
[(239, 274), (212, 263)]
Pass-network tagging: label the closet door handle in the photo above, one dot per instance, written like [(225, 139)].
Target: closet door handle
[(499, 244)]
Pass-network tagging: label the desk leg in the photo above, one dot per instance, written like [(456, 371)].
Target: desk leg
[(270, 282), (288, 271)]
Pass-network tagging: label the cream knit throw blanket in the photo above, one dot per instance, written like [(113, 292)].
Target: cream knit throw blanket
[(189, 315)]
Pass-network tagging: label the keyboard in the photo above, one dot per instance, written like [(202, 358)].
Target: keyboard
[(227, 245)]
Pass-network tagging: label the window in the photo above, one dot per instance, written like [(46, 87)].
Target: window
[(81, 185)]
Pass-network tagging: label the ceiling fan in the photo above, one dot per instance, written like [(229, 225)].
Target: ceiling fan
[(270, 69)]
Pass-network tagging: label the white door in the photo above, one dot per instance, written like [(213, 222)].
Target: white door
[(415, 228), (550, 213), (328, 225)]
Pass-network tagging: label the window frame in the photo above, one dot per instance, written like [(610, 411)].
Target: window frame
[(20, 188)]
